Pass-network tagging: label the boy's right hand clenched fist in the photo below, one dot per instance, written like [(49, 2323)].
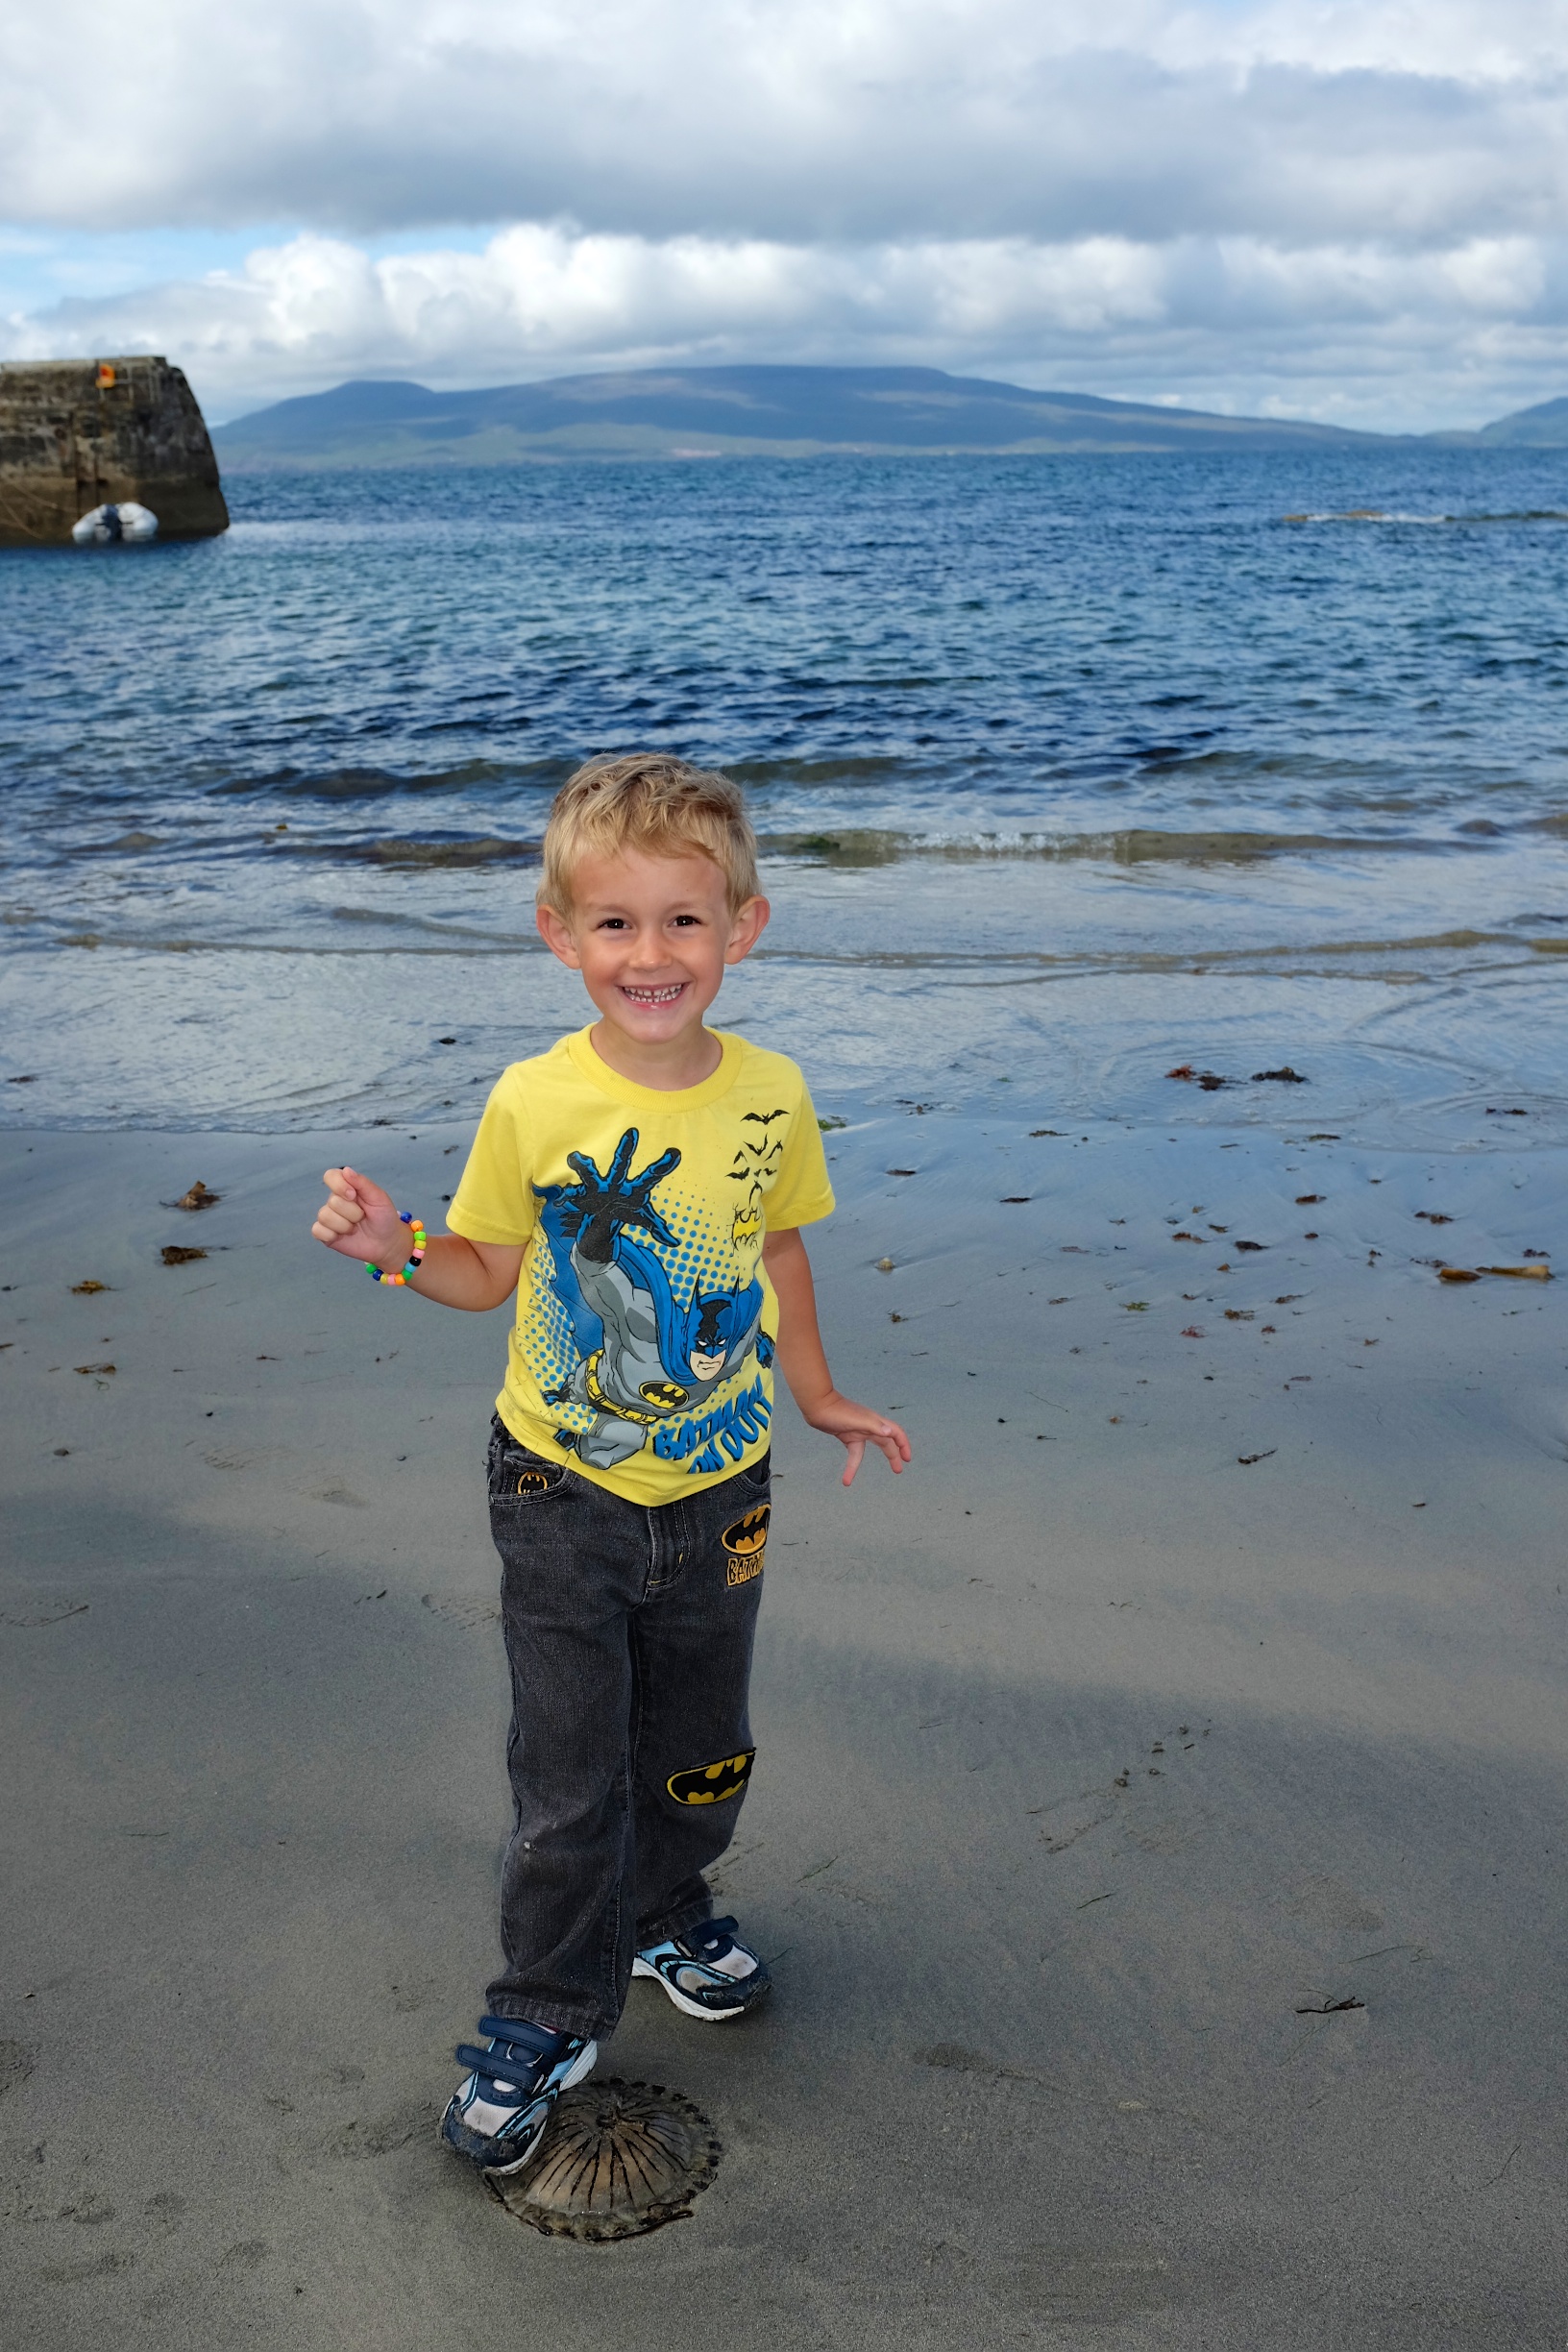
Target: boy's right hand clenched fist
[(360, 1220)]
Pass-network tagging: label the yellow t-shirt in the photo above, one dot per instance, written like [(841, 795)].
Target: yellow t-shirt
[(644, 1342)]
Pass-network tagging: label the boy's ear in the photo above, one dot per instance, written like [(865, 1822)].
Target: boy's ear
[(556, 933), (747, 926)]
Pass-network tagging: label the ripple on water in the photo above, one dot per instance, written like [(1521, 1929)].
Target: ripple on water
[(1062, 769)]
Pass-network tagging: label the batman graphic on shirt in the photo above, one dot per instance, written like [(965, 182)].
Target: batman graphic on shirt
[(654, 1357)]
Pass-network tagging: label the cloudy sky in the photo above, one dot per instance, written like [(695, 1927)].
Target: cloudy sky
[(1356, 212)]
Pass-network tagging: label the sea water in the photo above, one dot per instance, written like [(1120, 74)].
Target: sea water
[(1069, 772)]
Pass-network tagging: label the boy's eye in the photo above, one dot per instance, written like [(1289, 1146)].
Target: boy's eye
[(683, 919)]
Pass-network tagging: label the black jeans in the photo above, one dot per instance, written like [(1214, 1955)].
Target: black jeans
[(628, 1633)]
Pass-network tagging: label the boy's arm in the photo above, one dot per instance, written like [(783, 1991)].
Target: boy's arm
[(804, 1365), (360, 1220)]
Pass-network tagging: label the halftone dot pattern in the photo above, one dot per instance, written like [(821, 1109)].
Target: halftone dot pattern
[(705, 1259), (546, 1339)]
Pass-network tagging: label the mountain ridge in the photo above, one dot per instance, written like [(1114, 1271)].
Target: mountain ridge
[(726, 412), (378, 423), (1543, 426)]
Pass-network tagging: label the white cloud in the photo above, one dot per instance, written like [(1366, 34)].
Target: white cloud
[(1355, 209), (795, 120), (1355, 334)]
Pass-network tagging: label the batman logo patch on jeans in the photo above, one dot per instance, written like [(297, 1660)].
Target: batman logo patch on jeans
[(745, 1542), (712, 1783), (533, 1482)]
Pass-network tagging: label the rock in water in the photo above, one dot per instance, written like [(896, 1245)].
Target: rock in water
[(79, 437), (618, 2158)]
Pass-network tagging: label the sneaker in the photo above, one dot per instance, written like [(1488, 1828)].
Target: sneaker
[(706, 1969), (498, 2116)]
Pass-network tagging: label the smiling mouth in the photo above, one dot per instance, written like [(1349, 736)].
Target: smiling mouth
[(655, 995)]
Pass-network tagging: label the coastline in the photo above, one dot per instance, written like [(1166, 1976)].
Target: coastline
[(1184, 1687)]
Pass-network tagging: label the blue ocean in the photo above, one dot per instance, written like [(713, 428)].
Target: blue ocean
[(1069, 772)]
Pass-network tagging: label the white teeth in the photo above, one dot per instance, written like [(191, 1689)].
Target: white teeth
[(653, 997)]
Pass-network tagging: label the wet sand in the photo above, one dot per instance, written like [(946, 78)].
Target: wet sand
[(1203, 1675)]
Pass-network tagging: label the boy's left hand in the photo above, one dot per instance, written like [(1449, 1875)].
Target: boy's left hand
[(856, 1427)]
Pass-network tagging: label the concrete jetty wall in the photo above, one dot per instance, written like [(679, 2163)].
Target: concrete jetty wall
[(75, 433)]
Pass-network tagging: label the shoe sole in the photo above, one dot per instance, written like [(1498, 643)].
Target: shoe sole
[(694, 2009), (578, 2073)]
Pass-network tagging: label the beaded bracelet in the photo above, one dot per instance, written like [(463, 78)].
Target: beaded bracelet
[(419, 1241)]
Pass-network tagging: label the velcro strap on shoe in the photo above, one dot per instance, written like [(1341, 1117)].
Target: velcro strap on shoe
[(516, 2033), (709, 1940), (509, 2070), (511, 2080)]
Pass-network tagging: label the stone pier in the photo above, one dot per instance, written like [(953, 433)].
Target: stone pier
[(77, 433)]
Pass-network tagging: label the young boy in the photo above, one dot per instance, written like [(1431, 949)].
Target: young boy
[(641, 1188)]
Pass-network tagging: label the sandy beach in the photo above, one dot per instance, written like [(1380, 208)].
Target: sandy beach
[(1202, 1678)]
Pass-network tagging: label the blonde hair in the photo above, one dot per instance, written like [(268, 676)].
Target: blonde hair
[(651, 801)]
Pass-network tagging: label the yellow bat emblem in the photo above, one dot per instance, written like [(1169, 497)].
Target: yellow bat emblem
[(662, 1392), (712, 1783), (751, 1533), (745, 1542), (532, 1481)]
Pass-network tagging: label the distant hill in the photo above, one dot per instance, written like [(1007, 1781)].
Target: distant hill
[(1543, 427), (728, 412)]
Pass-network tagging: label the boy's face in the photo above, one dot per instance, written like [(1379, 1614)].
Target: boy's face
[(651, 937)]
